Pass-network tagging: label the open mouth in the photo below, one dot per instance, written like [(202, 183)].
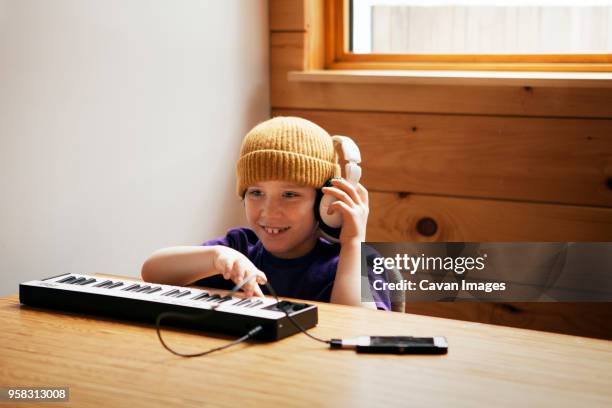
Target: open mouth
[(274, 230)]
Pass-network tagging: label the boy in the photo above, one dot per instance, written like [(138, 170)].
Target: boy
[(283, 162)]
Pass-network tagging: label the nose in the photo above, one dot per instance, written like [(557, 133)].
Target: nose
[(271, 207)]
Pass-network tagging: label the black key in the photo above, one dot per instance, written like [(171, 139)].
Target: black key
[(172, 292), (143, 289), (213, 298), (87, 282), (50, 278), (155, 289), (67, 280), (256, 303), (78, 281), (225, 298), (101, 284), (115, 285), (183, 294), (135, 289), (243, 302), (201, 296), (131, 287)]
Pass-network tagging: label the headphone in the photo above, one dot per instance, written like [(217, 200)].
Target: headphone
[(330, 225)]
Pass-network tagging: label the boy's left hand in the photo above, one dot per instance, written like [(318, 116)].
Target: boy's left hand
[(353, 205)]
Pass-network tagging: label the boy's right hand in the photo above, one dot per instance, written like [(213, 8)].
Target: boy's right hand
[(237, 267)]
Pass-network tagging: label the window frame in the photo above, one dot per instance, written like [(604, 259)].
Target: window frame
[(337, 56)]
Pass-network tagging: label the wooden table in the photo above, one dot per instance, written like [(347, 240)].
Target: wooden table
[(106, 362)]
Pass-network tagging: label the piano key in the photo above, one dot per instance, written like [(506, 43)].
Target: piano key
[(183, 294), (256, 303), (87, 282), (225, 298), (79, 280), (67, 280), (115, 285), (242, 302), (131, 287), (171, 292), (155, 289), (201, 296), (143, 289), (213, 298), (104, 283)]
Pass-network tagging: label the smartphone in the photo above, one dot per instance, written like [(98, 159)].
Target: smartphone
[(398, 344)]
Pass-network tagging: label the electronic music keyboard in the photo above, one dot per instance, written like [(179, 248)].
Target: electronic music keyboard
[(143, 301)]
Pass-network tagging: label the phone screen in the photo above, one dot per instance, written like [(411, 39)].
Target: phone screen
[(401, 341)]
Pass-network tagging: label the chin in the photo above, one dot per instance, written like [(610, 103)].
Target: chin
[(276, 247)]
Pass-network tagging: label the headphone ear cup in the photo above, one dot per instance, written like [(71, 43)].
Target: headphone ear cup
[(333, 220), (322, 203), (329, 224)]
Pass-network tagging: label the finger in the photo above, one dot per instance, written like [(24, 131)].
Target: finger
[(261, 278), (243, 281), (342, 207), (250, 289), (239, 271), (227, 266), (258, 292), (245, 286), (347, 187), (363, 193), (339, 194), (253, 289)]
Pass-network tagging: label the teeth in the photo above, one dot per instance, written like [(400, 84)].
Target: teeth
[(274, 231)]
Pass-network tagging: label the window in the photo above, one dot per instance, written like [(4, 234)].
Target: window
[(538, 35)]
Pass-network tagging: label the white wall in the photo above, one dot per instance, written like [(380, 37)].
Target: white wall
[(120, 124)]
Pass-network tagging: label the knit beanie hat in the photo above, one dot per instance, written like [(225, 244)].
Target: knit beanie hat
[(289, 149)]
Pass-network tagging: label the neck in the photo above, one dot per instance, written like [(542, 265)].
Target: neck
[(302, 249)]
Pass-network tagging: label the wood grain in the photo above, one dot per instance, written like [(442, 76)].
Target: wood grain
[(288, 52), (111, 363), (465, 78), (314, 46), (577, 318), (534, 159), (394, 217), (287, 15)]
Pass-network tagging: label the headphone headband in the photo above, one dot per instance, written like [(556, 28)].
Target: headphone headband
[(349, 148), (350, 151)]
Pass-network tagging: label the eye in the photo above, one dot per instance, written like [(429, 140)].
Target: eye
[(254, 193), (290, 194)]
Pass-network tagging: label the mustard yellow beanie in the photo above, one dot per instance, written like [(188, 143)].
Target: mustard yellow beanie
[(289, 149)]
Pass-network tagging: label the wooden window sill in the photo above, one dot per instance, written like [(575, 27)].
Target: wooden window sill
[(461, 78)]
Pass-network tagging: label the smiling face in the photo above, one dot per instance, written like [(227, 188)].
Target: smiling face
[(281, 214)]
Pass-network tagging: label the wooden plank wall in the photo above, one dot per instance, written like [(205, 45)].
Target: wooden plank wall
[(463, 163)]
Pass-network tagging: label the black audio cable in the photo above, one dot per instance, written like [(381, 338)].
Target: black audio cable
[(208, 313)]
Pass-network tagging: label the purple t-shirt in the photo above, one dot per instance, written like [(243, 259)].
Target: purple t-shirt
[(309, 277)]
